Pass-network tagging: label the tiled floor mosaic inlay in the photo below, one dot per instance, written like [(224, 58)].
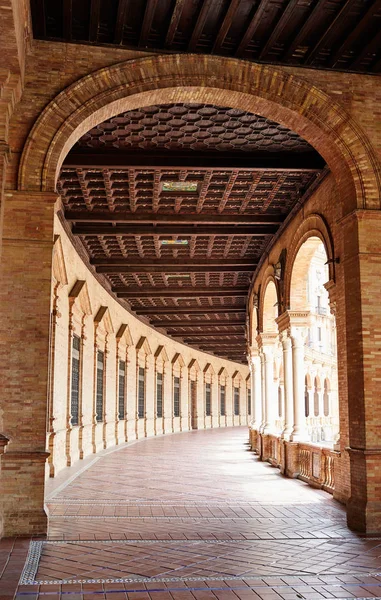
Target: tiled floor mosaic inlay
[(138, 560), (194, 516)]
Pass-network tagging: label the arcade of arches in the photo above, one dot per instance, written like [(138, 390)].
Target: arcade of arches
[(81, 368)]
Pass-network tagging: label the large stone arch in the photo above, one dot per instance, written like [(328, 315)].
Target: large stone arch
[(261, 89)]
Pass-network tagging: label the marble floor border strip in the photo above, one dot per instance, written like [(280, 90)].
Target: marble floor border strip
[(168, 518), (185, 579)]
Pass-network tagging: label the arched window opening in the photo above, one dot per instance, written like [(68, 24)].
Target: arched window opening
[(316, 397), (309, 297), (326, 398), (306, 398)]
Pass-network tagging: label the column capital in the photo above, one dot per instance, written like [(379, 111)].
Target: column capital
[(266, 340), (293, 319)]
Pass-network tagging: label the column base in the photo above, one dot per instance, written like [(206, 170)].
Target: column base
[(22, 493), (25, 523), (364, 505)]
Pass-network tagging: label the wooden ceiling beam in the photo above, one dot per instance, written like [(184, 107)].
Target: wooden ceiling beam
[(67, 19), (311, 55), (199, 323), (39, 18), (251, 29), (305, 30), (170, 230), (177, 230), (175, 19), (147, 22), (120, 21), (371, 48), (180, 292), (200, 23), (226, 24), (361, 28), (200, 336), (173, 218), (179, 263), (95, 8), (187, 310), (172, 161), (279, 28), (165, 268)]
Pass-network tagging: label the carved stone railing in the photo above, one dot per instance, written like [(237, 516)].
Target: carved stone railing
[(317, 466), (311, 463)]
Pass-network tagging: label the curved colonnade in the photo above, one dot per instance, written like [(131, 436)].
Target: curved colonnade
[(343, 213), (114, 379)]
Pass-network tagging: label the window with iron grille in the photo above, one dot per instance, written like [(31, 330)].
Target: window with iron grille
[(208, 394), (249, 402), (159, 395), (222, 401), (75, 366), (100, 384), (122, 390), (176, 396), (141, 393), (236, 401)]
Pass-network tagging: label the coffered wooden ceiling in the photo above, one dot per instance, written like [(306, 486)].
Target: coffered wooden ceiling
[(183, 259), (332, 34)]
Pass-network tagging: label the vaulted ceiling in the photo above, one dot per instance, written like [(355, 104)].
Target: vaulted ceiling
[(331, 34), (174, 205)]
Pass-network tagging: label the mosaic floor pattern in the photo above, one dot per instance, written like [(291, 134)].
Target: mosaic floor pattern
[(194, 516)]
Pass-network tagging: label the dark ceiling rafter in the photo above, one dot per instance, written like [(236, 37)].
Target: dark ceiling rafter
[(252, 27), (311, 55), (182, 230), (120, 21), (170, 268), (179, 263), (200, 336), (361, 29), (67, 19), (176, 219), (187, 310), (125, 160), (372, 48), (279, 28), (227, 23), (179, 292), (174, 22), (95, 8), (199, 25), (288, 32), (147, 22), (173, 323)]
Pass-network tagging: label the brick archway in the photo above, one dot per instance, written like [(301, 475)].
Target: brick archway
[(256, 88)]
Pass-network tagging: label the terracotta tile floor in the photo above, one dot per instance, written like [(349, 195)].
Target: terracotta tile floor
[(193, 516)]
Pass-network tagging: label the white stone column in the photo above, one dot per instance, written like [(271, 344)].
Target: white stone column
[(256, 391), (297, 342), (263, 387), (288, 386), (269, 396)]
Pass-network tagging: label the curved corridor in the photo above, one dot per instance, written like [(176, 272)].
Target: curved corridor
[(195, 515)]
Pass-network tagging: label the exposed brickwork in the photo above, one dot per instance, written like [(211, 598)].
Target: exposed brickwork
[(335, 113)]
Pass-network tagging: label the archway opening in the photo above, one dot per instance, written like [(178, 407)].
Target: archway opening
[(310, 300)]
